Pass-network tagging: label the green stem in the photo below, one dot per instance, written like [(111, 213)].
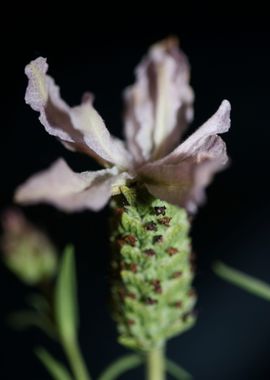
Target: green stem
[(120, 366), (75, 359), (176, 371), (155, 364), (244, 281)]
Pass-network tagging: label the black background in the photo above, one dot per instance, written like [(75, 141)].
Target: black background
[(88, 51)]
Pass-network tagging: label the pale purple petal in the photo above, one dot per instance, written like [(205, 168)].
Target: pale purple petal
[(219, 123), (181, 177), (159, 104), (80, 128), (86, 119), (183, 184), (69, 191)]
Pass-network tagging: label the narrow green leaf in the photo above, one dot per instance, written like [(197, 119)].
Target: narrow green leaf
[(24, 319), (121, 365), (56, 369), (244, 281), (176, 371), (66, 296)]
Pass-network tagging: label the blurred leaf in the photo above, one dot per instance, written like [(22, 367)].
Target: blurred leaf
[(25, 319), (176, 371), (66, 310), (119, 366), (244, 281), (38, 302), (56, 369)]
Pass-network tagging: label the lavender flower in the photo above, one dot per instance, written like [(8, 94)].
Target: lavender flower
[(158, 108)]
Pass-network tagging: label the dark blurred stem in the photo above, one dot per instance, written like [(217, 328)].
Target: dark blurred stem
[(155, 364), (46, 288)]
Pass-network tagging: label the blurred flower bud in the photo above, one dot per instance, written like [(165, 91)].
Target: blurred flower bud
[(28, 253)]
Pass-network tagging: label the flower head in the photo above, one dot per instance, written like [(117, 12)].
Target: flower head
[(158, 108)]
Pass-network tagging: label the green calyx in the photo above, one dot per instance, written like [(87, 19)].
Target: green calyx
[(151, 270)]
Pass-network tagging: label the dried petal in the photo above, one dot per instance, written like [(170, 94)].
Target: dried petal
[(180, 178), (219, 123), (159, 104), (70, 191), (80, 128)]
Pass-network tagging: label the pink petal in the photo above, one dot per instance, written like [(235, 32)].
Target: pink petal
[(159, 104), (181, 177), (79, 128), (69, 191)]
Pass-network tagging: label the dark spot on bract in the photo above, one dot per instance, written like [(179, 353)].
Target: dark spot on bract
[(186, 316), (133, 267), (161, 210), (192, 293), (119, 211), (150, 301), (165, 221), (157, 286), (157, 239), (131, 295), (171, 251), (149, 252), (130, 239), (177, 274), (150, 226)]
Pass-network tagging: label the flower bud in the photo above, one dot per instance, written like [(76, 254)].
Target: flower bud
[(28, 253)]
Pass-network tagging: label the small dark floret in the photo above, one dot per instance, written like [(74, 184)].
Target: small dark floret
[(157, 286), (150, 252), (177, 274), (165, 221), (150, 226), (150, 301), (161, 210), (171, 251), (157, 239), (130, 239), (133, 267)]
